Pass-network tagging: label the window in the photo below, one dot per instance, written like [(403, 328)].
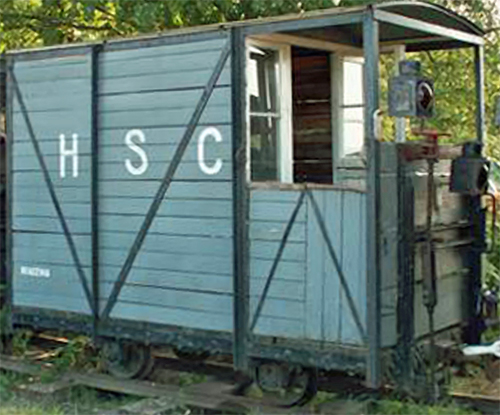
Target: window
[(323, 142), (269, 115), (348, 110), (352, 108)]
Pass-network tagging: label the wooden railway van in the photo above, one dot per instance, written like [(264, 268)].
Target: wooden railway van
[(222, 189)]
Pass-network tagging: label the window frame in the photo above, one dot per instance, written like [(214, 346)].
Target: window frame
[(284, 102), (337, 96)]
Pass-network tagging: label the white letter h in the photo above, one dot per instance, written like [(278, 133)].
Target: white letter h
[(63, 153)]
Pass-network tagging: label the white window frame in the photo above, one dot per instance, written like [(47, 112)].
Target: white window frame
[(337, 96), (285, 126)]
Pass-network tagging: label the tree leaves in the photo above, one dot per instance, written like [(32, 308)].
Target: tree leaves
[(27, 23)]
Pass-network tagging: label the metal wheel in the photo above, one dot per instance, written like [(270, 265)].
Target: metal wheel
[(287, 385), (125, 360)]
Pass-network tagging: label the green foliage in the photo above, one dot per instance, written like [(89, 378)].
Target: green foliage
[(187, 379), (394, 407), (20, 342), (12, 404), (77, 353), (77, 400)]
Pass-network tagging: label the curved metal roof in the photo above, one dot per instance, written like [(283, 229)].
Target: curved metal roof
[(431, 13)]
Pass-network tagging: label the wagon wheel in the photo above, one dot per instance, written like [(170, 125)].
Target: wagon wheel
[(192, 356), (287, 385), (126, 360)]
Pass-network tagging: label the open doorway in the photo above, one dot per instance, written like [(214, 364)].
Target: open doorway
[(305, 114), (312, 116)]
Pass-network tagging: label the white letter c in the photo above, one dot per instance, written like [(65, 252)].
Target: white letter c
[(217, 166)]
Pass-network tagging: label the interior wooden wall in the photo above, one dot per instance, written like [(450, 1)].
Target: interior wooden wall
[(312, 128)]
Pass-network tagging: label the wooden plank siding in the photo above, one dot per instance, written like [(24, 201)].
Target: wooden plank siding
[(306, 275), (183, 273), (38, 241)]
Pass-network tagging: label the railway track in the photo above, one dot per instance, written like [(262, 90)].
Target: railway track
[(215, 391)]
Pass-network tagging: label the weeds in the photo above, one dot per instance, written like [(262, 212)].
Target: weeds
[(187, 379), (20, 342), (77, 353), (393, 407)]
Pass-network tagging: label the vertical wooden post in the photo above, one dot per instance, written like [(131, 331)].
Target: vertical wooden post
[(240, 203), (94, 183), (371, 79), (479, 78)]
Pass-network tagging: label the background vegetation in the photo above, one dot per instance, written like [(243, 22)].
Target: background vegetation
[(28, 23)]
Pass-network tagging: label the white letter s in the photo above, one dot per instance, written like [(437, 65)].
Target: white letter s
[(136, 171)]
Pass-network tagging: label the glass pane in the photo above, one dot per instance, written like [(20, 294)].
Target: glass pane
[(262, 72), (353, 131), (264, 151), (354, 114), (353, 83)]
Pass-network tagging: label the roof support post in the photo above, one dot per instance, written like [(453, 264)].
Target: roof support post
[(479, 79), (371, 81), (95, 183), (240, 204), (477, 214)]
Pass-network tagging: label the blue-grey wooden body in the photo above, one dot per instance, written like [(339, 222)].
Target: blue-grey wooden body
[(183, 273)]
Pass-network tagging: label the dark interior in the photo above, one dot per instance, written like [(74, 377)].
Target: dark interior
[(312, 118)]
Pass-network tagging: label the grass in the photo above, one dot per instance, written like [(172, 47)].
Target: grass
[(85, 401), (393, 407), (76, 354), (326, 402), (72, 401)]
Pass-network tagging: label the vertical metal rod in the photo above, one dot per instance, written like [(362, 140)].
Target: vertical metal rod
[(95, 182), (371, 87), (240, 204), (430, 295), (479, 78), (477, 214), (399, 55), (406, 258)]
